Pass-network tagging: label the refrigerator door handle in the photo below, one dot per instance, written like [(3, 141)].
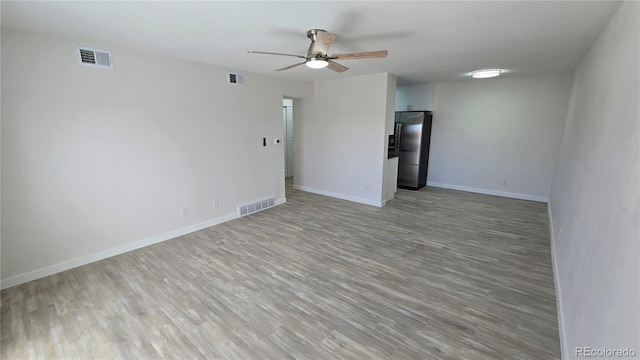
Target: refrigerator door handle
[(398, 137)]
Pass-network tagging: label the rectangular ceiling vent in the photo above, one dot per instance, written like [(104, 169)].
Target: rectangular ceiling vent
[(256, 206), (95, 57), (235, 78)]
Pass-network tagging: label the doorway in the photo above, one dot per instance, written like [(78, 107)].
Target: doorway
[(287, 119)]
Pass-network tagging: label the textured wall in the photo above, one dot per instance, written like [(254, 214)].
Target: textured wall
[(499, 136), (96, 159), (595, 197)]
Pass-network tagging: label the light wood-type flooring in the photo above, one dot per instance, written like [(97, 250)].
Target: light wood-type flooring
[(434, 274)]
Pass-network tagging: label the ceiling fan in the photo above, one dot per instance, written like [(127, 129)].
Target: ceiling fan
[(317, 57)]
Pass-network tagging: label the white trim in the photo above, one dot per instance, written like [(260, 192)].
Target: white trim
[(281, 201), (101, 255), (542, 199), (564, 351), (339, 196)]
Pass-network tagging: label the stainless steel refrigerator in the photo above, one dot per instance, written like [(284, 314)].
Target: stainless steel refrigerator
[(413, 144)]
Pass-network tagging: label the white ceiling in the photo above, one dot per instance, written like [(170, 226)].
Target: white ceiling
[(428, 41)]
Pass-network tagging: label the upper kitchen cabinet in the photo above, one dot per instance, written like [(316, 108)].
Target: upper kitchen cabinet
[(414, 97)]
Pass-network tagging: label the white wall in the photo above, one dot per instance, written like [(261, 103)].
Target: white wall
[(595, 198), (0, 154), (390, 166), (96, 162), (340, 142), (489, 131)]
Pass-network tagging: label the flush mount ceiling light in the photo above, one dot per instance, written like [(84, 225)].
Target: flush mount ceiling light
[(317, 63), (483, 74)]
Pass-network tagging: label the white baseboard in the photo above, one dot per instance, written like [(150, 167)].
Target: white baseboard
[(490, 192), (281, 201), (101, 255), (339, 196), (564, 351)]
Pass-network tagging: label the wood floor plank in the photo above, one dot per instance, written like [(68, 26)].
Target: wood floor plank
[(436, 274)]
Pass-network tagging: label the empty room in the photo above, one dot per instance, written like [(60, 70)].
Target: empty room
[(320, 179)]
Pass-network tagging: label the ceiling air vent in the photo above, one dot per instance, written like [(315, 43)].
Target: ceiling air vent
[(95, 57), (235, 79)]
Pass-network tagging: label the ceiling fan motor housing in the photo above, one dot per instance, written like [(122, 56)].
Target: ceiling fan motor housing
[(311, 34), (321, 40)]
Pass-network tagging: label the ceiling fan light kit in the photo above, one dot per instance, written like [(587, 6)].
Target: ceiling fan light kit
[(317, 56), (488, 73), (317, 63)]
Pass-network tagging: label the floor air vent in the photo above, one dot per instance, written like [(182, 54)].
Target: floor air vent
[(256, 206), (95, 57)]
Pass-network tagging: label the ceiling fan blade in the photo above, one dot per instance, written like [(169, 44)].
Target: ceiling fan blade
[(326, 38), (336, 67), (274, 53), (361, 55), (291, 66)]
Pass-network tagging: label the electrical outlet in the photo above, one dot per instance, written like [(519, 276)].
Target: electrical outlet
[(184, 211), (216, 203)]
